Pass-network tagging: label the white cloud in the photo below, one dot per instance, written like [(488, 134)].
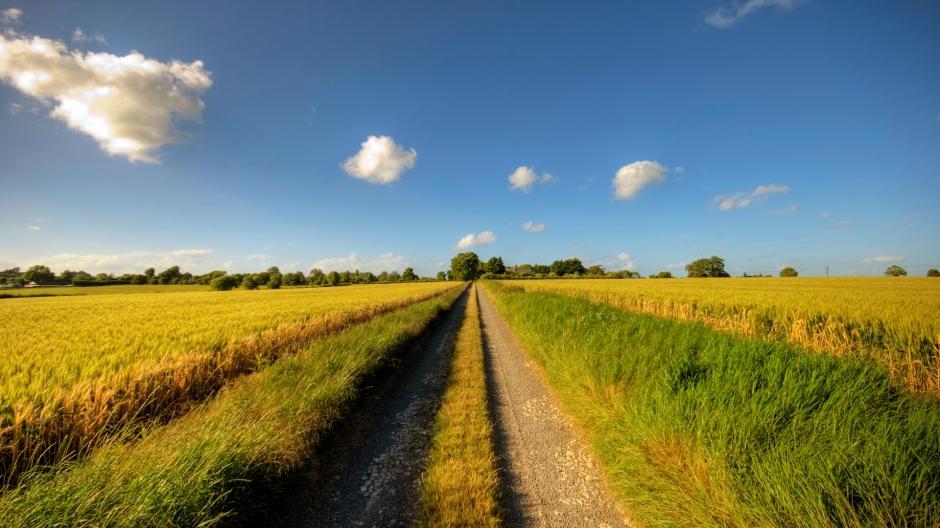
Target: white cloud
[(623, 256), (257, 257), (626, 260), (532, 227), (228, 265), (678, 265), (785, 211), (524, 178), (884, 258), (848, 222), (727, 16), (383, 262), (129, 104), (744, 199), (380, 160), (11, 15), (133, 262), (78, 36), (825, 214), (470, 240), (35, 227), (632, 178)]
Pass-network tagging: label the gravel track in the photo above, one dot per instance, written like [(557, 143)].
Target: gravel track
[(549, 477)]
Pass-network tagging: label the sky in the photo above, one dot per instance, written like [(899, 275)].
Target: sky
[(378, 135)]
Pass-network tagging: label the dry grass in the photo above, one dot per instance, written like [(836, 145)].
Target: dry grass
[(68, 422), (460, 484), (895, 321)]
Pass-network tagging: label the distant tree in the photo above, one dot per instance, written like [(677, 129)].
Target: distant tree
[(316, 277), (249, 283), (596, 271), (895, 271), (662, 275), (541, 269), (788, 272), (495, 266), (170, 275), (383, 277), (274, 282), (150, 273), (66, 276), (332, 278), (570, 266), (707, 267), (465, 266), (104, 277), (932, 272), (39, 274), (224, 282), (449, 275), (441, 275), (295, 278), (408, 275), (394, 276)]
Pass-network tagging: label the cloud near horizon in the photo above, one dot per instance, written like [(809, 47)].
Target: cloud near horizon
[(881, 259), (532, 227), (470, 240), (731, 15), (131, 105), (132, 262), (352, 261), (633, 177), (380, 161), (744, 199)]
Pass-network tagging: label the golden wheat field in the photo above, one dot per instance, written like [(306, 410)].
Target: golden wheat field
[(895, 321)]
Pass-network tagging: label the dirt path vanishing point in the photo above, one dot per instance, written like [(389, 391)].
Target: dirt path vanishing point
[(370, 470), (549, 477)]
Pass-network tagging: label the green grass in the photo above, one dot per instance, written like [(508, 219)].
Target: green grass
[(460, 484), (193, 471), (101, 290), (702, 428)]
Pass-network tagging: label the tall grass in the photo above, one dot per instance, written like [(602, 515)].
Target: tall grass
[(460, 484), (193, 471), (703, 428), (895, 321), (67, 422)]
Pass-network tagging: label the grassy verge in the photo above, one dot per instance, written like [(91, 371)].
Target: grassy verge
[(192, 471), (703, 428), (460, 484)]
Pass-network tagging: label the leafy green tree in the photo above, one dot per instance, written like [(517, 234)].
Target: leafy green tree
[(662, 275), (39, 274), (249, 283), (224, 282), (707, 267), (394, 276), (383, 276), (274, 282), (408, 275), (596, 271), (789, 272), (895, 271), (441, 275), (570, 266), (150, 273), (465, 266), (316, 277), (495, 266), (170, 275), (541, 269), (932, 272)]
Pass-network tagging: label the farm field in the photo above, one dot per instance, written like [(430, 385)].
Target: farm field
[(79, 365), (893, 321), (703, 428)]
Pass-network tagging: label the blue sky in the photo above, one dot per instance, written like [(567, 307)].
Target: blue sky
[(770, 132)]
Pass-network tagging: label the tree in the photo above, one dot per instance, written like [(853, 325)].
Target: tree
[(495, 266), (789, 272), (383, 277), (441, 275), (465, 266), (895, 271), (662, 275), (707, 267), (932, 272), (408, 275), (39, 274), (332, 278), (394, 276), (224, 282), (170, 275), (274, 282), (249, 283), (316, 277), (596, 271), (150, 273), (570, 266)]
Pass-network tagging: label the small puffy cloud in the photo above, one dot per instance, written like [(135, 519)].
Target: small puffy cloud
[(79, 37), (35, 227), (532, 227), (131, 105), (11, 15), (258, 257), (524, 178), (785, 211), (133, 262), (380, 160), (882, 259), (744, 199), (625, 259), (676, 266), (470, 240), (848, 222), (352, 261), (727, 16), (623, 256), (633, 177)]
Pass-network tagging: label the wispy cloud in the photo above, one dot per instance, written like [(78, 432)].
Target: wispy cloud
[(785, 211), (34, 227), (848, 222), (129, 104), (741, 200), (881, 259), (79, 37), (471, 240), (352, 261), (633, 177), (524, 178), (728, 16), (135, 261), (11, 15), (626, 260), (258, 257), (380, 160), (532, 227)]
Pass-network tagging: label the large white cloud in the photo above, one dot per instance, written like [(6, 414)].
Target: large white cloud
[(633, 177), (129, 104), (380, 160), (471, 240), (524, 178), (728, 16), (352, 261), (728, 202), (532, 227), (134, 262)]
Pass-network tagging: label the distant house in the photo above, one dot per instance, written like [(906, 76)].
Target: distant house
[(31, 284)]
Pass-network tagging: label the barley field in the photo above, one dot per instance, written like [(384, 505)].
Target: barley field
[(77, 369), (895, 321)]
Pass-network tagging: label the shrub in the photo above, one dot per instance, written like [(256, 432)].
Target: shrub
[(225, 282), (789, 272)]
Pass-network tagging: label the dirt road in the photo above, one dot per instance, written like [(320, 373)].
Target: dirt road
[(549, 477)]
